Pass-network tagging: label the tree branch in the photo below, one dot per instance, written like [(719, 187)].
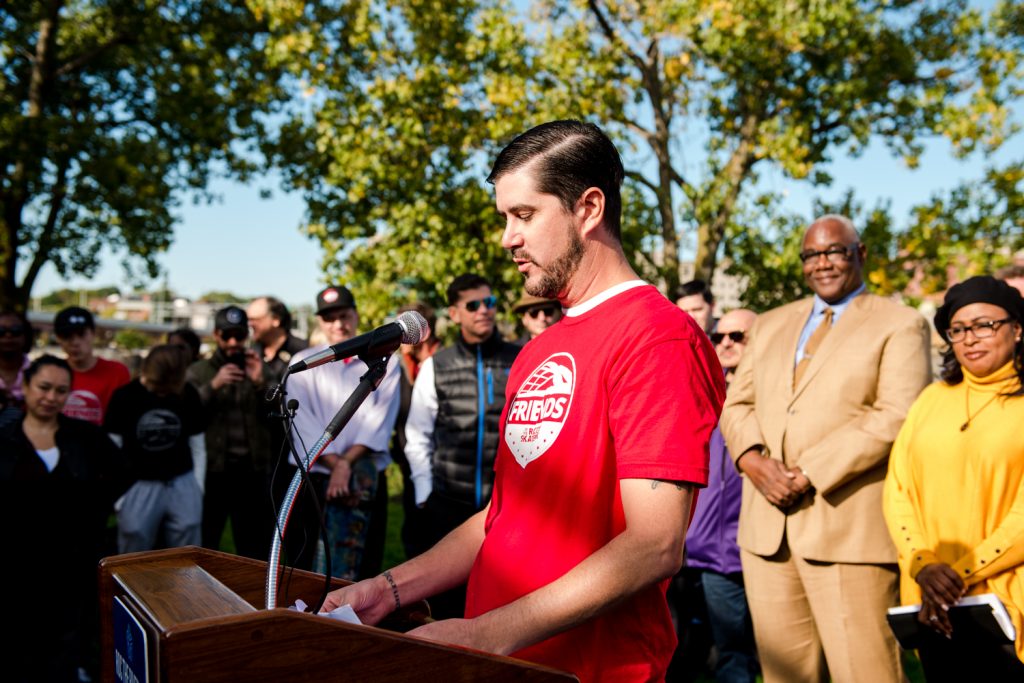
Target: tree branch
[(632, 125), (640, 178), (613, 36), (689, 190), (45, 241), (83, 59)]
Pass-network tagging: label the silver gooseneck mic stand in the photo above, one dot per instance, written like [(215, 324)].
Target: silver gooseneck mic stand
[(367, 383)]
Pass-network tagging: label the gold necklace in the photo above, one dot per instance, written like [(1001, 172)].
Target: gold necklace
[(967, 400)]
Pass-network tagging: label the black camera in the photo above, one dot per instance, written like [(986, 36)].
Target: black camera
[(237, 359)]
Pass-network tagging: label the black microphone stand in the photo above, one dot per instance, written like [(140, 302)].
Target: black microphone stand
[(367, 383)]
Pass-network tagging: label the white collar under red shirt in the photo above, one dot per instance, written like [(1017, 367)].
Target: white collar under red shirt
[(598, 299)]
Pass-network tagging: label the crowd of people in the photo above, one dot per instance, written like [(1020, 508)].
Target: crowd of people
[(836, 475)]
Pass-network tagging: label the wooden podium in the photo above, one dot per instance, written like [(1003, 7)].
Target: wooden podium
[(190, 615)]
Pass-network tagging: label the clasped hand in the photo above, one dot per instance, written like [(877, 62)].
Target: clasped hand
[(782, 486), (941, 588)]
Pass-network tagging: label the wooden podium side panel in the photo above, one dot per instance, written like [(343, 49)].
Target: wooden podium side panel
[(289, 647)]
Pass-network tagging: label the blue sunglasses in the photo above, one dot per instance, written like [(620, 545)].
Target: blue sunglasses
[(488, 301)]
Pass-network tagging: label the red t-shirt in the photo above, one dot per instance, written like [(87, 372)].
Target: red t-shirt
[(91, 390), (628, 389)]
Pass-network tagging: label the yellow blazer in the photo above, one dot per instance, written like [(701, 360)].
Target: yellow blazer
[(838, 425)]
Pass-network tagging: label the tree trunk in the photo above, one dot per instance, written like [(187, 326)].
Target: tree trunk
[(31, 150), (711, 233)]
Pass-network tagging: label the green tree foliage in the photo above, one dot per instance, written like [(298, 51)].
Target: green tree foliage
[(408, 101), (61, 298), (972, 229), (219, 297), (391, 150), (131, 340), (107, 111)]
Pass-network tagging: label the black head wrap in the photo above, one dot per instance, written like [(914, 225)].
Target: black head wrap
[(981, 289)]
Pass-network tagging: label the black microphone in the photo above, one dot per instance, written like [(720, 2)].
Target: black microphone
[(409, 328)]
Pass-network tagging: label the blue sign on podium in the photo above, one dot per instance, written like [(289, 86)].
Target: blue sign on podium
[(131, 647)]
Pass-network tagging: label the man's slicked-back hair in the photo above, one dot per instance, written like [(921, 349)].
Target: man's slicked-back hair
[(569, 157), (463, 283)]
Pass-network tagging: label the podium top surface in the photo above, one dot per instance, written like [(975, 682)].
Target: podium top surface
[(177, 591)]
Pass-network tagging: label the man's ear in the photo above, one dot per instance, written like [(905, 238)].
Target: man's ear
[(590, 210), (453, 314)]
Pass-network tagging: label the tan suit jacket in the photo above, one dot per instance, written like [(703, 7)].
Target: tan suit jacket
[(837, 425)]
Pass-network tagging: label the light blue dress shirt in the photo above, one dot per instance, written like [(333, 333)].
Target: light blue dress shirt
[(818, 314)]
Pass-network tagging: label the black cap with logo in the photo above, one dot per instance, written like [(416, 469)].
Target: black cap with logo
[(71, 320), (334, 297), (231, 318)]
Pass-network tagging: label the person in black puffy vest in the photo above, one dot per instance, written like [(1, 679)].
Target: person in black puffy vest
[(452, 430)]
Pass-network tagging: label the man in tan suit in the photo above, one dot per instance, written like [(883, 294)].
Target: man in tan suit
[(810, 417)]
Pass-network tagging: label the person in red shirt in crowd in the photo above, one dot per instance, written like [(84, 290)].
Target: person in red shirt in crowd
[(604, 440), (94, 379)]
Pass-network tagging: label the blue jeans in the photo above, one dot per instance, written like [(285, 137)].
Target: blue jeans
[(731, 629)]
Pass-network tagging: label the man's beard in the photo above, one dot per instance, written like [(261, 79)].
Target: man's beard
[(555, 278)]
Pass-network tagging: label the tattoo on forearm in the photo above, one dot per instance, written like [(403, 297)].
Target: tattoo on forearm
[(655, 483)]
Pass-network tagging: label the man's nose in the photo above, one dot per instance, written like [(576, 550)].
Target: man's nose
[(510, 237)]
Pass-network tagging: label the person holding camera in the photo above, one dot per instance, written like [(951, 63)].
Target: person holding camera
[(231, 383)]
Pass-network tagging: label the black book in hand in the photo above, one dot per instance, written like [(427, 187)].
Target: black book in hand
[(978, 617)]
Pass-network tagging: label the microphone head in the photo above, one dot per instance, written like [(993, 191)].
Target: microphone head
[(414, 327)]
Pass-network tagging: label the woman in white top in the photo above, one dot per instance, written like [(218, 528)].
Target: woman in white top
[(59, 478)]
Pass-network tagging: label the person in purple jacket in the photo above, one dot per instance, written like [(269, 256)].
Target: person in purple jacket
[(711, 540)]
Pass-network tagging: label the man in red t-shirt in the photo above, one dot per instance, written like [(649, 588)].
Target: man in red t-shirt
[(94, 379), (603, 442)]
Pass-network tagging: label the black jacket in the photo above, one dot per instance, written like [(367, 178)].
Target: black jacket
[(470, 382)]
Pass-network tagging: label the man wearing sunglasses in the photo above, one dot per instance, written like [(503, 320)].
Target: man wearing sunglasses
[(537, 314), (816, 403), (603, 439), (231, 384), (453, 425)]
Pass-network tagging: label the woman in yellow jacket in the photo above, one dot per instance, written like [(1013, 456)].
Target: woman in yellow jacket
[(954, 495)]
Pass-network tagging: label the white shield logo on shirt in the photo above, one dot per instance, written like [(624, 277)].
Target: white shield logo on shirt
[(540, 408)]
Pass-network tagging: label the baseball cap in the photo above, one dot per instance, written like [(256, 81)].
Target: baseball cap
[(333, 297), (231, 318), (73, 319)]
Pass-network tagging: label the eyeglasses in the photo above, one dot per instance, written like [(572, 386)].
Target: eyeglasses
[(549, 311), (489, 302), (982, 330), (12, 331), (237, 335), (737, 337), (833, 254)]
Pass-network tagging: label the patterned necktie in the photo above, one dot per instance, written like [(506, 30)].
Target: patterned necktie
[(811, 347)]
